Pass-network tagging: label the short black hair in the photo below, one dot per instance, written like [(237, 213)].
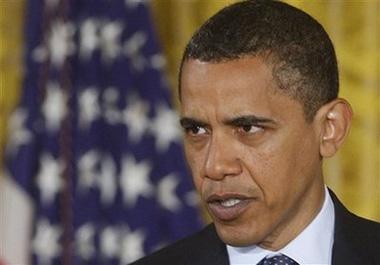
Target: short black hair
[(297, 47)]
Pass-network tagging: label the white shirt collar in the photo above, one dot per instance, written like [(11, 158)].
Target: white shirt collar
[(313, 246)]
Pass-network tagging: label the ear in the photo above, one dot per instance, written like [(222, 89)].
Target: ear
[(335, 122)]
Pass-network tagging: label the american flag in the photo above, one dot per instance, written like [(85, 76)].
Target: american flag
[(94, 140)]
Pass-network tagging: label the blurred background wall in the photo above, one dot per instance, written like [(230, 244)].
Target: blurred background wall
[(354, 26)]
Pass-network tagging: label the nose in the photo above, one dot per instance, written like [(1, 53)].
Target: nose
[(222, 159)]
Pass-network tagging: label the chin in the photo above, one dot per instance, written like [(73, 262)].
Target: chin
[(237, 237)]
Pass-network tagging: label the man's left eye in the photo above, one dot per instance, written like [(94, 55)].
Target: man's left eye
[(250, 129)]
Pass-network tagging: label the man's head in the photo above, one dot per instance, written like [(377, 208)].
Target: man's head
[(295, 45), (260, 110)]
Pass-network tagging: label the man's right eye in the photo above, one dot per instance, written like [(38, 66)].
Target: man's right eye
[(195, 130)]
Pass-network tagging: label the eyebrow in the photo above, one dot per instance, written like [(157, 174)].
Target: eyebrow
[(188, 122), (247, 120)]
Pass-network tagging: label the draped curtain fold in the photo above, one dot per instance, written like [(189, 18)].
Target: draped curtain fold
[(354, 26)]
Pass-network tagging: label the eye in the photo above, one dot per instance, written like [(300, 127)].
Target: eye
[(250, 129), (195, 130)]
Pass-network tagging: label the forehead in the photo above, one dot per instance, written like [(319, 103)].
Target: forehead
[(239, 86), (231, 73), (252, 68)]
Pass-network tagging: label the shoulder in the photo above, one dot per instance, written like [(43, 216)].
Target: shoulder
[(192, 250), (358, 235), (361, 229), (353, 225)]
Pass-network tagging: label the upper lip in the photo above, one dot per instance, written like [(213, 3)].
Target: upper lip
[(226, 196)]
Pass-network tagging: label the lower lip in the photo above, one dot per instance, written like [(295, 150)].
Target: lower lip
[(228, 213)]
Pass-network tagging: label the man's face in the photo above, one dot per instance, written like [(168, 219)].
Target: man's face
[(254, 159)]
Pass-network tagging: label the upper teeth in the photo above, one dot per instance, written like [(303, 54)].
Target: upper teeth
[(230, 202)]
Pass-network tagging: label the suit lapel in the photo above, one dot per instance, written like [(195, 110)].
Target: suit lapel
[(344, 250), (343, 255)]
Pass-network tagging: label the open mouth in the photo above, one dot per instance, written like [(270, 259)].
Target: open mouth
[(230, 202), (227, 207)]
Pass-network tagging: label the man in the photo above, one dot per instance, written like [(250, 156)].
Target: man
[(260, 111)]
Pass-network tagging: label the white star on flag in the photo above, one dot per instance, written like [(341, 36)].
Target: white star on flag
[(110, 40), (132, 246), (49, 178), (132, 48), (87, 170), (135, 180), (107, 180), (89, 107), (136, 119), (18, 133), (158, 61), (165, 128), (45, 243), (60, 44), (111, 112), (89, 38), (54, 107), (167, 193), (84, 239), (110, 242)]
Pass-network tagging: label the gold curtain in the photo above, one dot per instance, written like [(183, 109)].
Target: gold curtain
[(11, 42), (354, 26)]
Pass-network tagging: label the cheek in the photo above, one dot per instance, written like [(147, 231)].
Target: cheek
[(272, 168), (285, 169), (272, 174), (194, 160)]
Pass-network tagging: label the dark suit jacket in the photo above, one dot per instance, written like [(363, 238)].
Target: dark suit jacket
[(356, 242)]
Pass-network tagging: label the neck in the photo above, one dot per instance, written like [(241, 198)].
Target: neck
[(297, 219)]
